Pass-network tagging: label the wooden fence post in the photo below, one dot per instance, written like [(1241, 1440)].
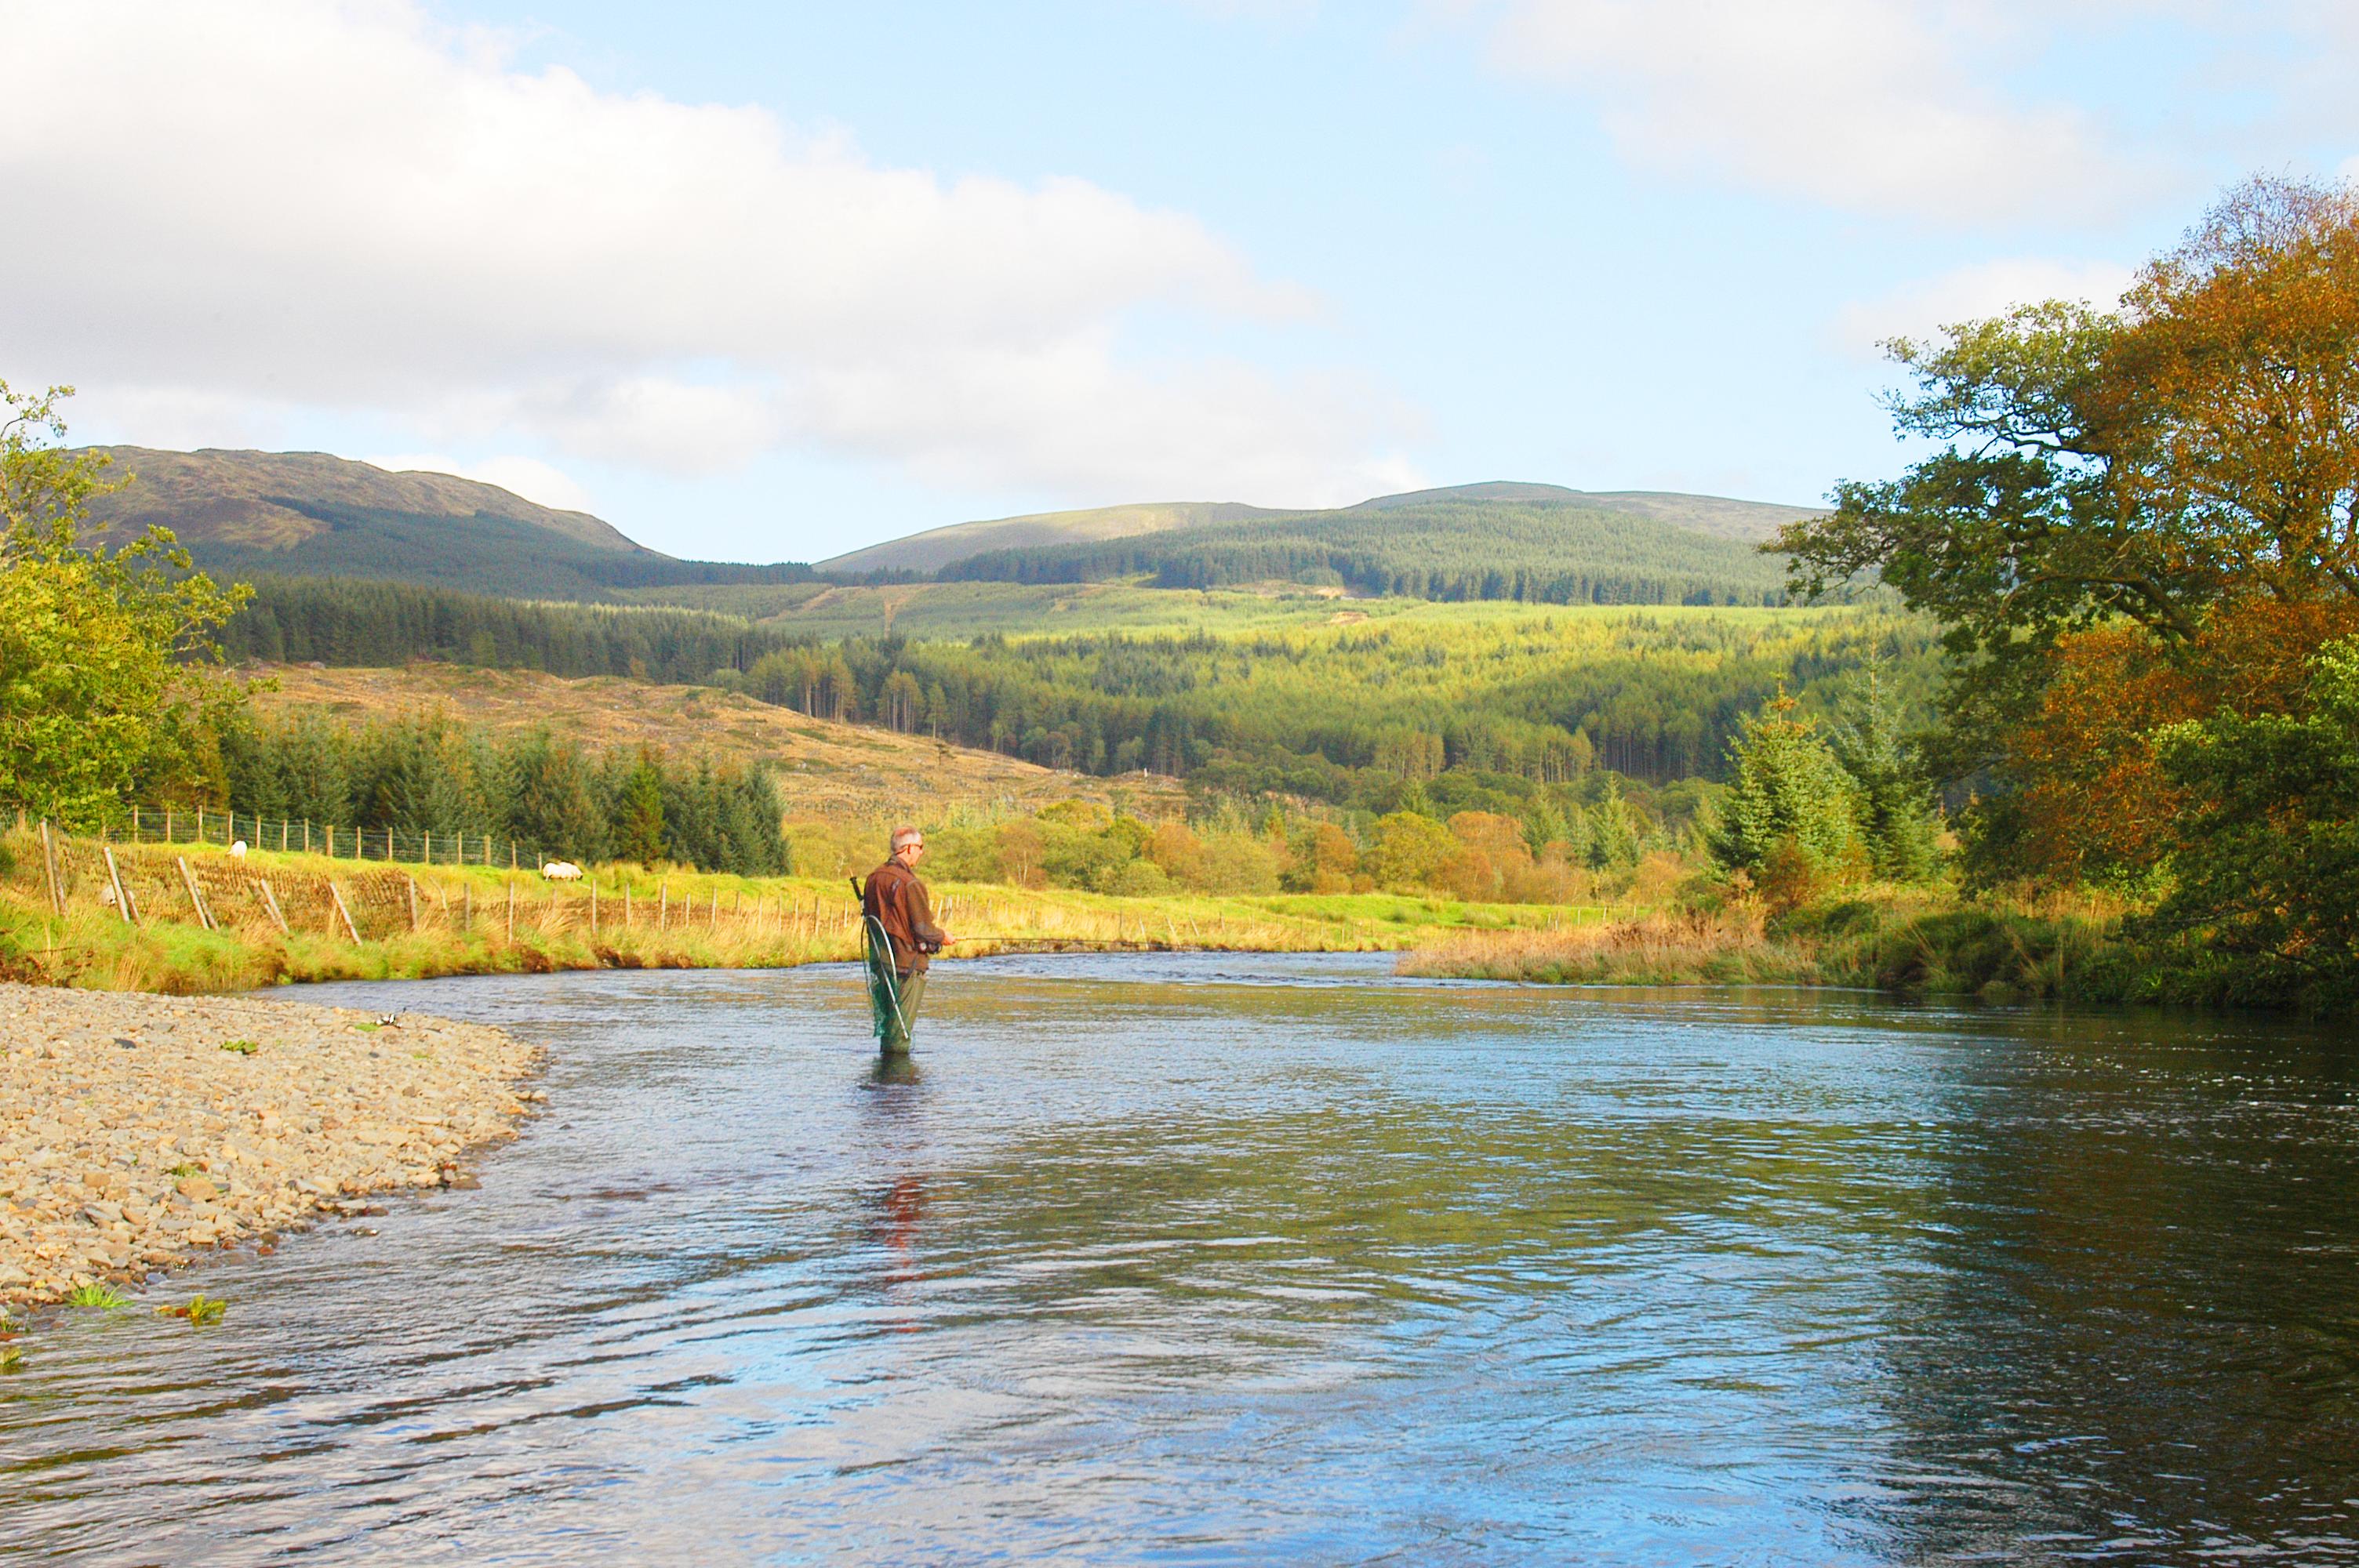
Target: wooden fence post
[(270, 904), (428, 854), (351, 930), (627, 905), (593, 906), (511, 909), (663, 903), (50, 871), (115, 879), (411, 883), (196, 899), (466, 903)]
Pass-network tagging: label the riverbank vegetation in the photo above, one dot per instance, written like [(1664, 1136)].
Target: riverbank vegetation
[(188, 918), (2140, 539)]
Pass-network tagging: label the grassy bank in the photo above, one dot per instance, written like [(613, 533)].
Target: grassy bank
[(1912, 940), (204, 922)]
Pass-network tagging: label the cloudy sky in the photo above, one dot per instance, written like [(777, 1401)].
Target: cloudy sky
[(774, 280)]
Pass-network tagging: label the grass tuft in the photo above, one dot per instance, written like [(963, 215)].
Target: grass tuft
[(100, 1298), (199, 1309)]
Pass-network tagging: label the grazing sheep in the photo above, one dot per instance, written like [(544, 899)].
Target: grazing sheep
[(561, 872), (237, 850)]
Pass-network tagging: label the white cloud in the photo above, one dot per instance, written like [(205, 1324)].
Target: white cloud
[(529, 476), (1882, 105), (336, 204), (1921, 309)]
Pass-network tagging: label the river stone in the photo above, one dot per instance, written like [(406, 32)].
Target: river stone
[(89, 1132)]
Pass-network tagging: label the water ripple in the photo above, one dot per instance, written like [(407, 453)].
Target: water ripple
[(1170, 1258)]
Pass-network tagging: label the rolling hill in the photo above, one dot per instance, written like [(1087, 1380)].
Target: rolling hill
[(245, 513), (1747, 521), (1534, 542), (939, 547), (249, 515)]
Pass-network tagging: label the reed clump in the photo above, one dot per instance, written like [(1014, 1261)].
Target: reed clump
[(1908, 940), (1663, 946)]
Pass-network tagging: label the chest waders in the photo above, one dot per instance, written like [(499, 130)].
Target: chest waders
[(885, 1014)]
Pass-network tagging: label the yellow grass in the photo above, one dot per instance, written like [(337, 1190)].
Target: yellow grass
[(408, 921), (1660, 947)]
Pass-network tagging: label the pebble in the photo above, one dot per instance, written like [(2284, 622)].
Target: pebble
[(116, 1161)]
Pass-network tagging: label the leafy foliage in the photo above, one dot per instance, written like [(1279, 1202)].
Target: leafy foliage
[(2271, 851), (103, 693), (2143, 533)]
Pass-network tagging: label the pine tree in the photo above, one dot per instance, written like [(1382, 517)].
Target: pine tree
[(1788, 796), (1895, 808), (640, 814)]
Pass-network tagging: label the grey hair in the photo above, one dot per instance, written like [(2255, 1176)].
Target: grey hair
[(907, 836)]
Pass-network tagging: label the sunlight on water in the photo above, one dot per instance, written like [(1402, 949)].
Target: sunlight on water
[(1204, 1259)]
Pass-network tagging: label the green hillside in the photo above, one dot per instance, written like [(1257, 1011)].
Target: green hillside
[(932, 551), (1523, 544), (245, 514)]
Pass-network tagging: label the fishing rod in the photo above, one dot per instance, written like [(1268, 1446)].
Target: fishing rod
[(861, 892), (1060, 941)]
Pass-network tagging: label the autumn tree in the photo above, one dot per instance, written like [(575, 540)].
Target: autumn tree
[(2171, 486)]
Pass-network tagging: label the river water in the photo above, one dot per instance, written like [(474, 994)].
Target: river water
[(1202, 1258)]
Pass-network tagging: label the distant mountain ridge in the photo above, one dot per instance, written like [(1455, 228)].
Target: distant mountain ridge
[(1720, 517), (252, 514), (1538, 544), (249, 515), (275, 501), (939, 547)]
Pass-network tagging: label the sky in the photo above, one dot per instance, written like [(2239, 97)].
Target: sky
[(774, 281)]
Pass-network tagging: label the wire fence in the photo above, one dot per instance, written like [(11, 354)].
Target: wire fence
[(148, 880), (198, 825)]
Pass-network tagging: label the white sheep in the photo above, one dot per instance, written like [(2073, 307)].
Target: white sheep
[(237, 850), (561, 872)]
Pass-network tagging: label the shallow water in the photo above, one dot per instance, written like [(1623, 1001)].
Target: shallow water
[(1218, 1260)]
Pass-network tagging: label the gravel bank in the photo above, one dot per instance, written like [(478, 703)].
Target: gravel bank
[(134, 1129)]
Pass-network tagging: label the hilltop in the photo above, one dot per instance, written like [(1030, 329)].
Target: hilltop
[(247, 514), (1533, 543), (939, 547), (1749, 522), (280, 500)]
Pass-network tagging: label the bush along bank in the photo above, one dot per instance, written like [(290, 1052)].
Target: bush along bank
[(1912, 940)]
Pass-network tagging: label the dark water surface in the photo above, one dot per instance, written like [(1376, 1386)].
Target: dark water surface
[(1209, 1259)]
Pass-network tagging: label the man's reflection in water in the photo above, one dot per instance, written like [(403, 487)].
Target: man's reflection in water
[(902, 1203)]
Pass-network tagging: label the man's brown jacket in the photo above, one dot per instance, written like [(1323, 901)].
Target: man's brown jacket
[(897, 899)]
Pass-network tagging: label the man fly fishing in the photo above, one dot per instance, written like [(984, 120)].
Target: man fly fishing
[(899, 923)]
